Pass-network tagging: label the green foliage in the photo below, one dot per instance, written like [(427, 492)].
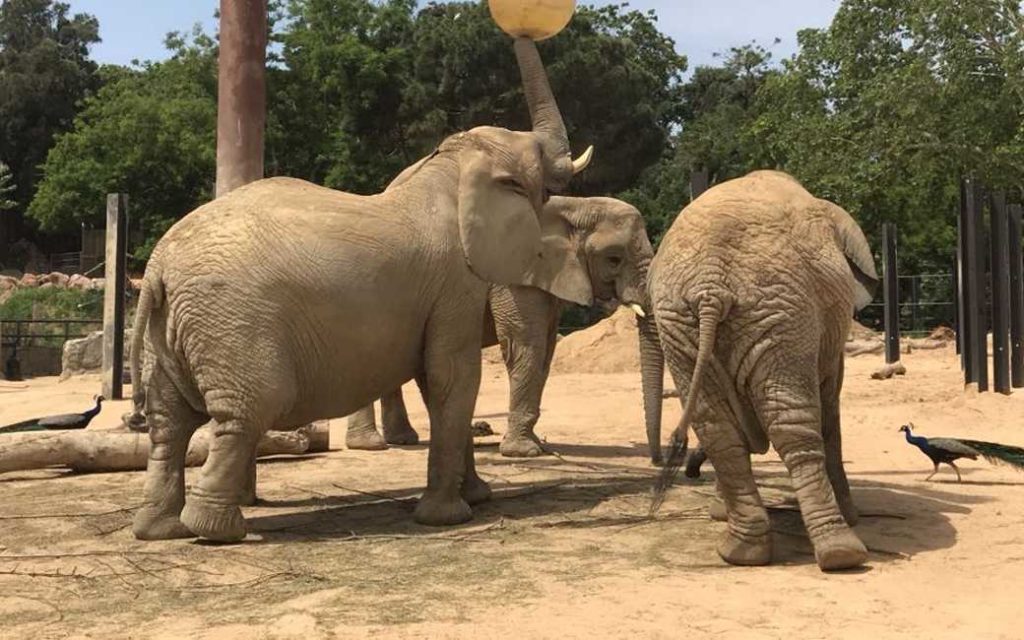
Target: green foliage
[(149, 132), (369, 88), (885, 110), (44, 71), (52, 303), (7, 188)]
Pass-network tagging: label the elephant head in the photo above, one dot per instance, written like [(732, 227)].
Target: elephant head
[(594, 249), (505, 177)]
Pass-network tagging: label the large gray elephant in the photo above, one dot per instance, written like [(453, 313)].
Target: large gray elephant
[(284, 302), (753, 290), (608, 255)]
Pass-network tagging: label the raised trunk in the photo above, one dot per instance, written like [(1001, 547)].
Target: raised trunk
[(652, 375), (544, 113)]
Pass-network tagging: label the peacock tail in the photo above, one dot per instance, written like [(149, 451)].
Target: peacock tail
[(998, 453), (21, 427)]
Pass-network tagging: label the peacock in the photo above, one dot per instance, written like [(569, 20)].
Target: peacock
[(946, 450), (58, 422)]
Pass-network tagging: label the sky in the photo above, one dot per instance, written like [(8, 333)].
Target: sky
[(135, 29)]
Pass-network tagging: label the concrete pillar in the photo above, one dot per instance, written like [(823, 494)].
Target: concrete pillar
[(242, 93)]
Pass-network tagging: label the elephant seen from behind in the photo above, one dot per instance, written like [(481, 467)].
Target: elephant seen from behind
[(753, 290)]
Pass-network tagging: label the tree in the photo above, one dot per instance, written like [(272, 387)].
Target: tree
[(149, 132), (886, 110), (717, 106), (371, 87), (44, 70), (7, 189)]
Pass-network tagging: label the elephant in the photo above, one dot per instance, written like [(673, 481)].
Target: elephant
[(753, 289), (283, 302), (608, 237)]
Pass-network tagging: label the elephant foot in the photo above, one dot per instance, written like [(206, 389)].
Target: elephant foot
[(716, 510), (403, 434), (475, 490), (520, 446), (151, 523), (694, 460), (212, 521), (365, 440), (438, 510), (746, 552), (839, 549)]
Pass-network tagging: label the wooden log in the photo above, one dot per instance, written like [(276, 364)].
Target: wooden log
[(100, 450)]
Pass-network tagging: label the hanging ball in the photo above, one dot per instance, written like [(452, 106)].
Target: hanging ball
[(535, 19)]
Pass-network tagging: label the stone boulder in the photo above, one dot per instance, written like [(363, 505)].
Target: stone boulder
[(84, 355), (78, 281), (29, 280)]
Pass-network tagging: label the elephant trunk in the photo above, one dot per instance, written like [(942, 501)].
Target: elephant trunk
[(546, 118), (652, 374)]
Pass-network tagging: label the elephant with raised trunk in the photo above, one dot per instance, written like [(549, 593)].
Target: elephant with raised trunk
[(753, 290), (284, 302), (606, 262)]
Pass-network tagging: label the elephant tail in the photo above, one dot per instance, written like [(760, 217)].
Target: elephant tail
[(711, 310), (150, 297)]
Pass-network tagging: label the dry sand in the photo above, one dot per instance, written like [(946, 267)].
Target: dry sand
[(561, 552)]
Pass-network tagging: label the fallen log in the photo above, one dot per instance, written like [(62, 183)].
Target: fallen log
[(93, 450), (889, 370)]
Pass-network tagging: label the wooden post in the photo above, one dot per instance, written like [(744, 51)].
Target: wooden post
[(1000, 295), (242, 93), (1016, 297), (699, 180), (891, 293), (113, 296)]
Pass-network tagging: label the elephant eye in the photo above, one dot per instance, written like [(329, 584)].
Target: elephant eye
[(615, 261), (512, 184)]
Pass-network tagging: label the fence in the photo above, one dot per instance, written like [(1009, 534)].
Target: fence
[(926, 301), (40, 350)]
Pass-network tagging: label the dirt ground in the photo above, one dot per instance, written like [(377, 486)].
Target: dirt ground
[(563, 550)]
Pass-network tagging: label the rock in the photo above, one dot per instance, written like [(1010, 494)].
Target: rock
[(942, 333), (29, 280), (84, 355), (57, 279), (7, 283), (78, 281), (47, 285), (97, 283)]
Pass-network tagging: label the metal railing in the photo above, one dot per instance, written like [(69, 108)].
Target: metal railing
[(23, 335), (926, 302)]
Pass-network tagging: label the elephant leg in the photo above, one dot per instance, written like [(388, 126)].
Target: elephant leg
[(171, 423), (792, 416), (830, 427), (747, 541), (452, 382), (361, 431), (397, 429), (249, 497), (527, 333), (212, 508)]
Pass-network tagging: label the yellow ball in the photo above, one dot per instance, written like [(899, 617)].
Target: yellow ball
[(536, 19)]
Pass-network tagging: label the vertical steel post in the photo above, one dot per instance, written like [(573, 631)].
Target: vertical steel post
[(964, 337), (980, 285), (1016, 296), (113, 296), (242, 93), (891, 292)]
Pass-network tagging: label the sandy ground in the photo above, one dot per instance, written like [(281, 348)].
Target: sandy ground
[(562, 551)]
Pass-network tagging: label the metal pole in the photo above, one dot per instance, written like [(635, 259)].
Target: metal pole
[(980, 286), (964, 336), (242, 93), (113, 296), (891, 292), (1016, 296), (1000, 294)]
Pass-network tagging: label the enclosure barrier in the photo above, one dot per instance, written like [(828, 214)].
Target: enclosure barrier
[(1003, 280)]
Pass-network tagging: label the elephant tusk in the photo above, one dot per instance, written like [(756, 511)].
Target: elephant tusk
[(638, 310), (581, 163)]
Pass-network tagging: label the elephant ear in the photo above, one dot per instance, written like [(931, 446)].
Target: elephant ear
[(560, 271), (498, 223), (855, 247)]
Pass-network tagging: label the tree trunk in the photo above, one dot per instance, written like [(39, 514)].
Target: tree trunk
[(95, 450)]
